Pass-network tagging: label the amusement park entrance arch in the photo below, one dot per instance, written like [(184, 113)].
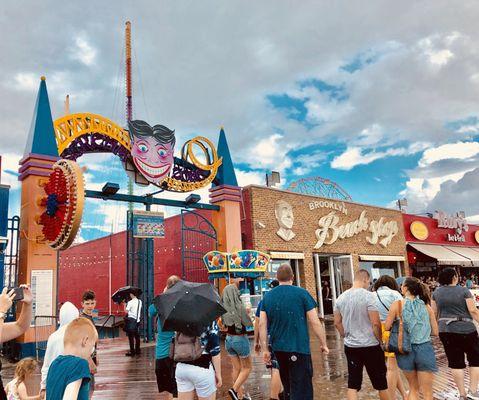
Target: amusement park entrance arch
[(147, 153)]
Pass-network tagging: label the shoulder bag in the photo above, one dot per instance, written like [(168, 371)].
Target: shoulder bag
[(131, 324), (399, 341)]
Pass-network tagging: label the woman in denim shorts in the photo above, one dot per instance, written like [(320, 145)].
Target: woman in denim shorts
[(420, 364), (237, 343)]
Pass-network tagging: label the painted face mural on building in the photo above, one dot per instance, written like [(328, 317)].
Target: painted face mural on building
[(152, 150)]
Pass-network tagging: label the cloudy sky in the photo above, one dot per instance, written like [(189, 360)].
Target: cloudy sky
[(381, 97)]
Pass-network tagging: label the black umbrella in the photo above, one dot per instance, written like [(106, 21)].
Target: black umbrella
[(188, 307), (124, 293)]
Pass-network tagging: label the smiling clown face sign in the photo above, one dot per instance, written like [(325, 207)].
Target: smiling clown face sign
[(152, 150)]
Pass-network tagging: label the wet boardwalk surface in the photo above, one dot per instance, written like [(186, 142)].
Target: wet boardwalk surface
[(120, 377)]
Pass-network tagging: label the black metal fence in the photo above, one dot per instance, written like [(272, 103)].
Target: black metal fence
[(45, 325), (198, 236)]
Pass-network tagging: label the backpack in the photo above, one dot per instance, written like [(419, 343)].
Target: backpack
[(185, 348)]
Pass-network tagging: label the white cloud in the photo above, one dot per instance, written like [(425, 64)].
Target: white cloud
[(459, 150), (354, 156), (106, 216), (9, 171), (270, 153), (421, 191), (308, 162), (246, 178), (439, 169), (436, 48), (26, 81), (473, 219), (83, 51)]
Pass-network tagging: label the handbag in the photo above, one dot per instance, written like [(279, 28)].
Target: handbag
[(399, 341), (131, 324)]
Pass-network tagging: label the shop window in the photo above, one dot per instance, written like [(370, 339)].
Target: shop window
[(378, 268)]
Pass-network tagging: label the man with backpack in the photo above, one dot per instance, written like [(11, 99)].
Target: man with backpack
[(198, 367)]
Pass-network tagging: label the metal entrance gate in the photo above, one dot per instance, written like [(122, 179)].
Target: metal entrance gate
[(139, 271), (10, 272), (198, 236)]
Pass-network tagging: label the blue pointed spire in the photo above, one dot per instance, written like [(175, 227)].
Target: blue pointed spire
[(226, 172), (41, 138)]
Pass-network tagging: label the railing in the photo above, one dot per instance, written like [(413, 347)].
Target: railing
[(45, 325), (101, 328)]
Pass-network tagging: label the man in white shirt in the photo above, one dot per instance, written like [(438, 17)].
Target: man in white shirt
[(356, 318), (133, 308)]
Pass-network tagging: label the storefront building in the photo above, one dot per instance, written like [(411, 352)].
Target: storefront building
[(324, 240), (439, 241)]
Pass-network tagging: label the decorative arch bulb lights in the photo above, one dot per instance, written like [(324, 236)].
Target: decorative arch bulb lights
[(147, 153), (62, 204)]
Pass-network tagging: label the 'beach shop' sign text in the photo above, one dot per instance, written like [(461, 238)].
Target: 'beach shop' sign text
[(330, 230)]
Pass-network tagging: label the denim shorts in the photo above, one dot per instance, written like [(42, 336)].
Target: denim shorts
[(237, 345), (421, 358)]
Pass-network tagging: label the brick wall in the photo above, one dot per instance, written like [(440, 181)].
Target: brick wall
[(260, 203)]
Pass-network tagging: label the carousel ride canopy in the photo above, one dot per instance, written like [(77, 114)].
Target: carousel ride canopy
[(241, 264)]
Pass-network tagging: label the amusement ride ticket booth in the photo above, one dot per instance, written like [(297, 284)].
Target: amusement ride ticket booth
[(324, 240)]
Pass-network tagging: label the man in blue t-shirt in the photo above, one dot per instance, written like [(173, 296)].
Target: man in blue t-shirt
[(164, 365), (275, 386), (286, 312)]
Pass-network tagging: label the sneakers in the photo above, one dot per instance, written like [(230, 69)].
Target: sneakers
[(233, 394), (129, 354), (472, 396)]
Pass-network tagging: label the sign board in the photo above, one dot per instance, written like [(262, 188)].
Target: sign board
[(42, 291), (456, 222), (419, 230), (148, 224)]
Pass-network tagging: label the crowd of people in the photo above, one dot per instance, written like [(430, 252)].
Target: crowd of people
[(470, 281), (386, 327), (281, 334), (366, 319)]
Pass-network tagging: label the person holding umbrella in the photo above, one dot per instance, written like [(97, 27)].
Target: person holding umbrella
[(191, 309), (130, 295), (133, 309), (164, 365)]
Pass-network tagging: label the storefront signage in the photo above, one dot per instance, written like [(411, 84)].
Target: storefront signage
[(341, 207), (330, 230), (455, 221), (455, 238), (419, 230)]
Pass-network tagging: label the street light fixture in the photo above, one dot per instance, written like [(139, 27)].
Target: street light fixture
[(193, 198), (110, 188)]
